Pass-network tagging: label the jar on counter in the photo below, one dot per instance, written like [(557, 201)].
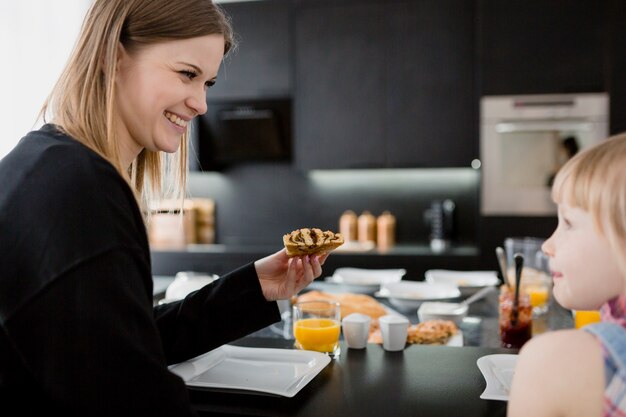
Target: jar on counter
[(367, 227), (386, 230), (348, 226)]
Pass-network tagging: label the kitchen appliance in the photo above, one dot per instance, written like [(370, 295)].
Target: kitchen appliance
[(524, 140), (440, 217), (240, 131)]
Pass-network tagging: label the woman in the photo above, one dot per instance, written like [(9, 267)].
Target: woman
[(583, 372), (78, 333)]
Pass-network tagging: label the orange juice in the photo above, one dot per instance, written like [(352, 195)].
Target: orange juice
[(321, 335), (539, 294), (583, 318)]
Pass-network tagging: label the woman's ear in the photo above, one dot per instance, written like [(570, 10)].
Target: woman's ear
[(121, 54)]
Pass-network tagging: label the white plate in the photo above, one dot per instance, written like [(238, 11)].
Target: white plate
[(409, 295), (456, 340), (281, 372), (498, 372), (359, 276), (468, 281), (330, 284)]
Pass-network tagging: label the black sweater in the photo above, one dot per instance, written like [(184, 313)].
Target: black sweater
[(78, 333)]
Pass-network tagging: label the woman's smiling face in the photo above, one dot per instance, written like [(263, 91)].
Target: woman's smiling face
[(160, 88)]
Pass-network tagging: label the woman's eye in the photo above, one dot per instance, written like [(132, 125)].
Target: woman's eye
[(189, 74)]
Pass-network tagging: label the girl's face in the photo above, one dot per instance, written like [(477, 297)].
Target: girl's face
[(585, 272), (160, 88)]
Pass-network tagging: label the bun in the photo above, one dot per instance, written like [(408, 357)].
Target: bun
[(350, 303), (309, 241)]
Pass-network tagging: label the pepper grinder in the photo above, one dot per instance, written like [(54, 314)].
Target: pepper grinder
[(367, 227), (386, 230), (348, 226)]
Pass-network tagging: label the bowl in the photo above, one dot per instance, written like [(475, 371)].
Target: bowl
[(186, 282), (409, 295), (442, 311), (468, 282)]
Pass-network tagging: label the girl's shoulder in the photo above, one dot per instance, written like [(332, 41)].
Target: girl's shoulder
[(563, 372)]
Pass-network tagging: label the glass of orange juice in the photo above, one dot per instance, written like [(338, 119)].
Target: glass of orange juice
[(585, 317), (537, 284), (317, 325)]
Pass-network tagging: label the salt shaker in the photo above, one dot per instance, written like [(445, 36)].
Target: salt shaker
[(394, 330), (356, 328)]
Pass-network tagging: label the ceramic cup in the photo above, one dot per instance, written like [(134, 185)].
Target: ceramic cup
[(356, 329), (394, 330)]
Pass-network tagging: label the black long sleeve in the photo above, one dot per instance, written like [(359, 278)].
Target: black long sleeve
[(78, 332)]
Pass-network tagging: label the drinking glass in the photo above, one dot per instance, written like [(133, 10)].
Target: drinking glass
[(585, 317), (317, 325), (514, 331), (536, 280)]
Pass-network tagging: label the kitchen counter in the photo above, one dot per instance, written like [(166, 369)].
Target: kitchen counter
[(416, 258)]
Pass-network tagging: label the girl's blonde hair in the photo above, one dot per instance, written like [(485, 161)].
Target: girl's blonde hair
[(82, 101), (595, 181)]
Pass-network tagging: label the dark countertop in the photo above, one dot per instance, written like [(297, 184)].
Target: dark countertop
[(418, 381)]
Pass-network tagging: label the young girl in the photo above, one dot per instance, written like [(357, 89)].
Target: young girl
[(583, 372), (78, 333)]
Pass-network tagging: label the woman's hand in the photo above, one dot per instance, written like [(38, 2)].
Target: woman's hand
[(282, 277)]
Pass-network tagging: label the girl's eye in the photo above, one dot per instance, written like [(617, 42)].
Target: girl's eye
[(567, 223), (189, 74), (209, 83)]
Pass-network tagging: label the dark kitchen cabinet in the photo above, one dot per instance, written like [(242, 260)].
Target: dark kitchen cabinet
[(260, 66), (538, 46), (384, 84), (340, 73), (617, 65), (431, 110)]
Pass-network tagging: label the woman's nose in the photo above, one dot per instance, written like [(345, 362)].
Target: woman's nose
[(197, 101)]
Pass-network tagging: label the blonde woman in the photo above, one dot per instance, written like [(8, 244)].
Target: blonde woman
[(78, 334), (583, 372)]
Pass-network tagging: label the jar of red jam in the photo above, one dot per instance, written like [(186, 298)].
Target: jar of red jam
[(515, 329)]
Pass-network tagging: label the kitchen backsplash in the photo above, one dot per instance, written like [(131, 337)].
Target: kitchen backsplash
[(255, 204)]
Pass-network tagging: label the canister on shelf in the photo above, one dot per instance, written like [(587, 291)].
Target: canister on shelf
[(386, 230), (367, 227), (348, 225)]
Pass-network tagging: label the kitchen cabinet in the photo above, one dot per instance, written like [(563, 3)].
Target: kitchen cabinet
[(617, 65), (431, 99), (340, 76), (260, 66), (538, 46), (384, 84)]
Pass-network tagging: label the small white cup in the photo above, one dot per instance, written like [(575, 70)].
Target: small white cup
[(394, 330), (356, 329)]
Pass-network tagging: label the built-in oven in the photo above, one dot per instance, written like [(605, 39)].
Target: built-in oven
[(524, 140)]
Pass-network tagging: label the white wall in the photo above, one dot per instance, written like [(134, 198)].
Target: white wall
[(36, 38)]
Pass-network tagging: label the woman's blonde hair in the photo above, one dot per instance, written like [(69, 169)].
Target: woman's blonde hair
[(82, 101), (595, 181)]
